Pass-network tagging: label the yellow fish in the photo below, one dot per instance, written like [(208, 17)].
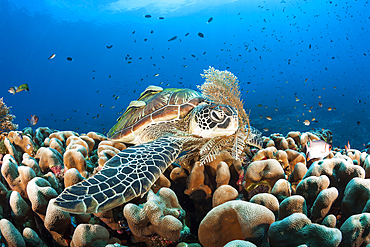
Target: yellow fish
[(23, 87)]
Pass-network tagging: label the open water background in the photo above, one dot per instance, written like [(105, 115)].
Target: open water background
[(289, 56)]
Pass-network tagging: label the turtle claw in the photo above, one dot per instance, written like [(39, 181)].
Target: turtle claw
[(74, 207)]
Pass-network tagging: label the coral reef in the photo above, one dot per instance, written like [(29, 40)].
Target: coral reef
[(161, 215), (90, 235), (263, 171), (12, 237), (236, 220), (297, 229), (271, 197), (6, 119), (355, 230)]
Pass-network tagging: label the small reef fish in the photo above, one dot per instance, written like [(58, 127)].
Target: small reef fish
[(306, 122), (201, 35), (210, 19), (52, 56), (23, 87), (70, 59), (268, 118), (317, 149), (15, 89), (20, 136), (173, 38), (12, 90), (34, 119)]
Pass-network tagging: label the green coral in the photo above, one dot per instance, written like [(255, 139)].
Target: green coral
[(3, 149)]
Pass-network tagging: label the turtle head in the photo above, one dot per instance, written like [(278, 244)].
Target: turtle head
[(210, 120)]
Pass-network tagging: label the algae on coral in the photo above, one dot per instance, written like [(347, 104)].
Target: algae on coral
[(3, 149)]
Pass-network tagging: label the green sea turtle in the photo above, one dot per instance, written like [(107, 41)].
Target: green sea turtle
[(161, 121), (158, 111)]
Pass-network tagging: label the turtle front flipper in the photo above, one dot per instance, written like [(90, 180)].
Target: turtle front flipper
[(254, 137), (127, 175)]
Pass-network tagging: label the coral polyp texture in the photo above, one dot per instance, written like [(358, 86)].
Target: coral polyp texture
[(267, 197)]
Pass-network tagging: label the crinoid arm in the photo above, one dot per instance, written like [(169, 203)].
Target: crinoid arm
[(254, 137), (223, 87), (127, 175)]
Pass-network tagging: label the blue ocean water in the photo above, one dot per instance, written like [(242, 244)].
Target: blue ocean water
[(290, 58)]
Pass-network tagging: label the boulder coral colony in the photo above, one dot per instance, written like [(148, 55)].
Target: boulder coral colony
[(268, 197)]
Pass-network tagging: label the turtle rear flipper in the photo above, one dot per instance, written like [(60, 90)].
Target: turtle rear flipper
[(127, 175)]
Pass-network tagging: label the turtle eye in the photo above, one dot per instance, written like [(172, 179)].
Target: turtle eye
[(217, 116)]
